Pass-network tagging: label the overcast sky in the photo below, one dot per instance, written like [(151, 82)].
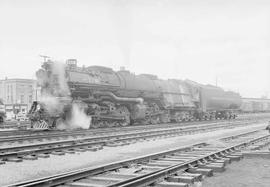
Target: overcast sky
[(192, 39)]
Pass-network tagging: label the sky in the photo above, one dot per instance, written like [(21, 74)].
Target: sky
[(200, 40)]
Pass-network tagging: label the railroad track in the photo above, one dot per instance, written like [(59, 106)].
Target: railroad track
[(83, 133), (7, 136), (242, 117), (19, 153), (176, 167), (133, 127)]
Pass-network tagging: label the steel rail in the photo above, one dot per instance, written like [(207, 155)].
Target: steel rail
[(133, 127), (19, 151), (89, 132), (139, 126)]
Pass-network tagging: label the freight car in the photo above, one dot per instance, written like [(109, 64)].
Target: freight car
[(252, 105), (122, 98)]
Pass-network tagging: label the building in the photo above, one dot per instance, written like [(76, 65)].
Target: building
[(18, 94)]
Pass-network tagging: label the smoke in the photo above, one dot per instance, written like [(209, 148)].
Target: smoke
[(59, 69), (57, 101), (78, 118), (52, 104)]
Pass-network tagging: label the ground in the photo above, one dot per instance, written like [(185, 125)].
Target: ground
[(250, 172), (15, 172)]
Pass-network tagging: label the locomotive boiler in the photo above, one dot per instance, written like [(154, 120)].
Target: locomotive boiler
[(122, 98)]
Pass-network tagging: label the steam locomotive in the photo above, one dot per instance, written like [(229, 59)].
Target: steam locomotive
[(122, 98)]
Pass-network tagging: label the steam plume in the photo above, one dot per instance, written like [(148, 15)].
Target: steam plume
[(79, 119), (59, 70), (55, 99)]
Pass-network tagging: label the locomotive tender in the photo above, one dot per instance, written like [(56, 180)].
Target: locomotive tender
[(122, 98)]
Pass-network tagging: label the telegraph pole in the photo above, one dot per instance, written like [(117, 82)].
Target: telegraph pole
[(45, 58)]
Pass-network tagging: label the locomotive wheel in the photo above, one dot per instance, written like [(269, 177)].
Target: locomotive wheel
[(178, 119), (102, 124), (113, 124), (165, 118), (154, 120), (110, 124), (123, 111), (147, 120), (94, 125)]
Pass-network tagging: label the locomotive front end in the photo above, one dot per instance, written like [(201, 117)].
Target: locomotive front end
[(54, 104)]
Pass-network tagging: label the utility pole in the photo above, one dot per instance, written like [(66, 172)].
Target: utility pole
[(45, 58), (216, 81)]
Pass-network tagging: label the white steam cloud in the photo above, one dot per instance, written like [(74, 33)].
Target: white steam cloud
[(51, 103), (79, 118), (58, 98), (59, 70)]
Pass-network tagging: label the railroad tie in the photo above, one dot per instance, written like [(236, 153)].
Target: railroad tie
[(30, 157), (181, 178), (197, 176), (203, 171), (233, 158), (58, 153), (14, 159), (43, 155), (83, 184), (172, 184)]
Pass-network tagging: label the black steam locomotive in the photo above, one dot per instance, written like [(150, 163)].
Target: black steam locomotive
[(122, 98)]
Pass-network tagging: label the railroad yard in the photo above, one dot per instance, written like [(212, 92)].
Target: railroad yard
[(134, 93)]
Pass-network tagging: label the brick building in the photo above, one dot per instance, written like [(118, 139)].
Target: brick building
[(18, 94)]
